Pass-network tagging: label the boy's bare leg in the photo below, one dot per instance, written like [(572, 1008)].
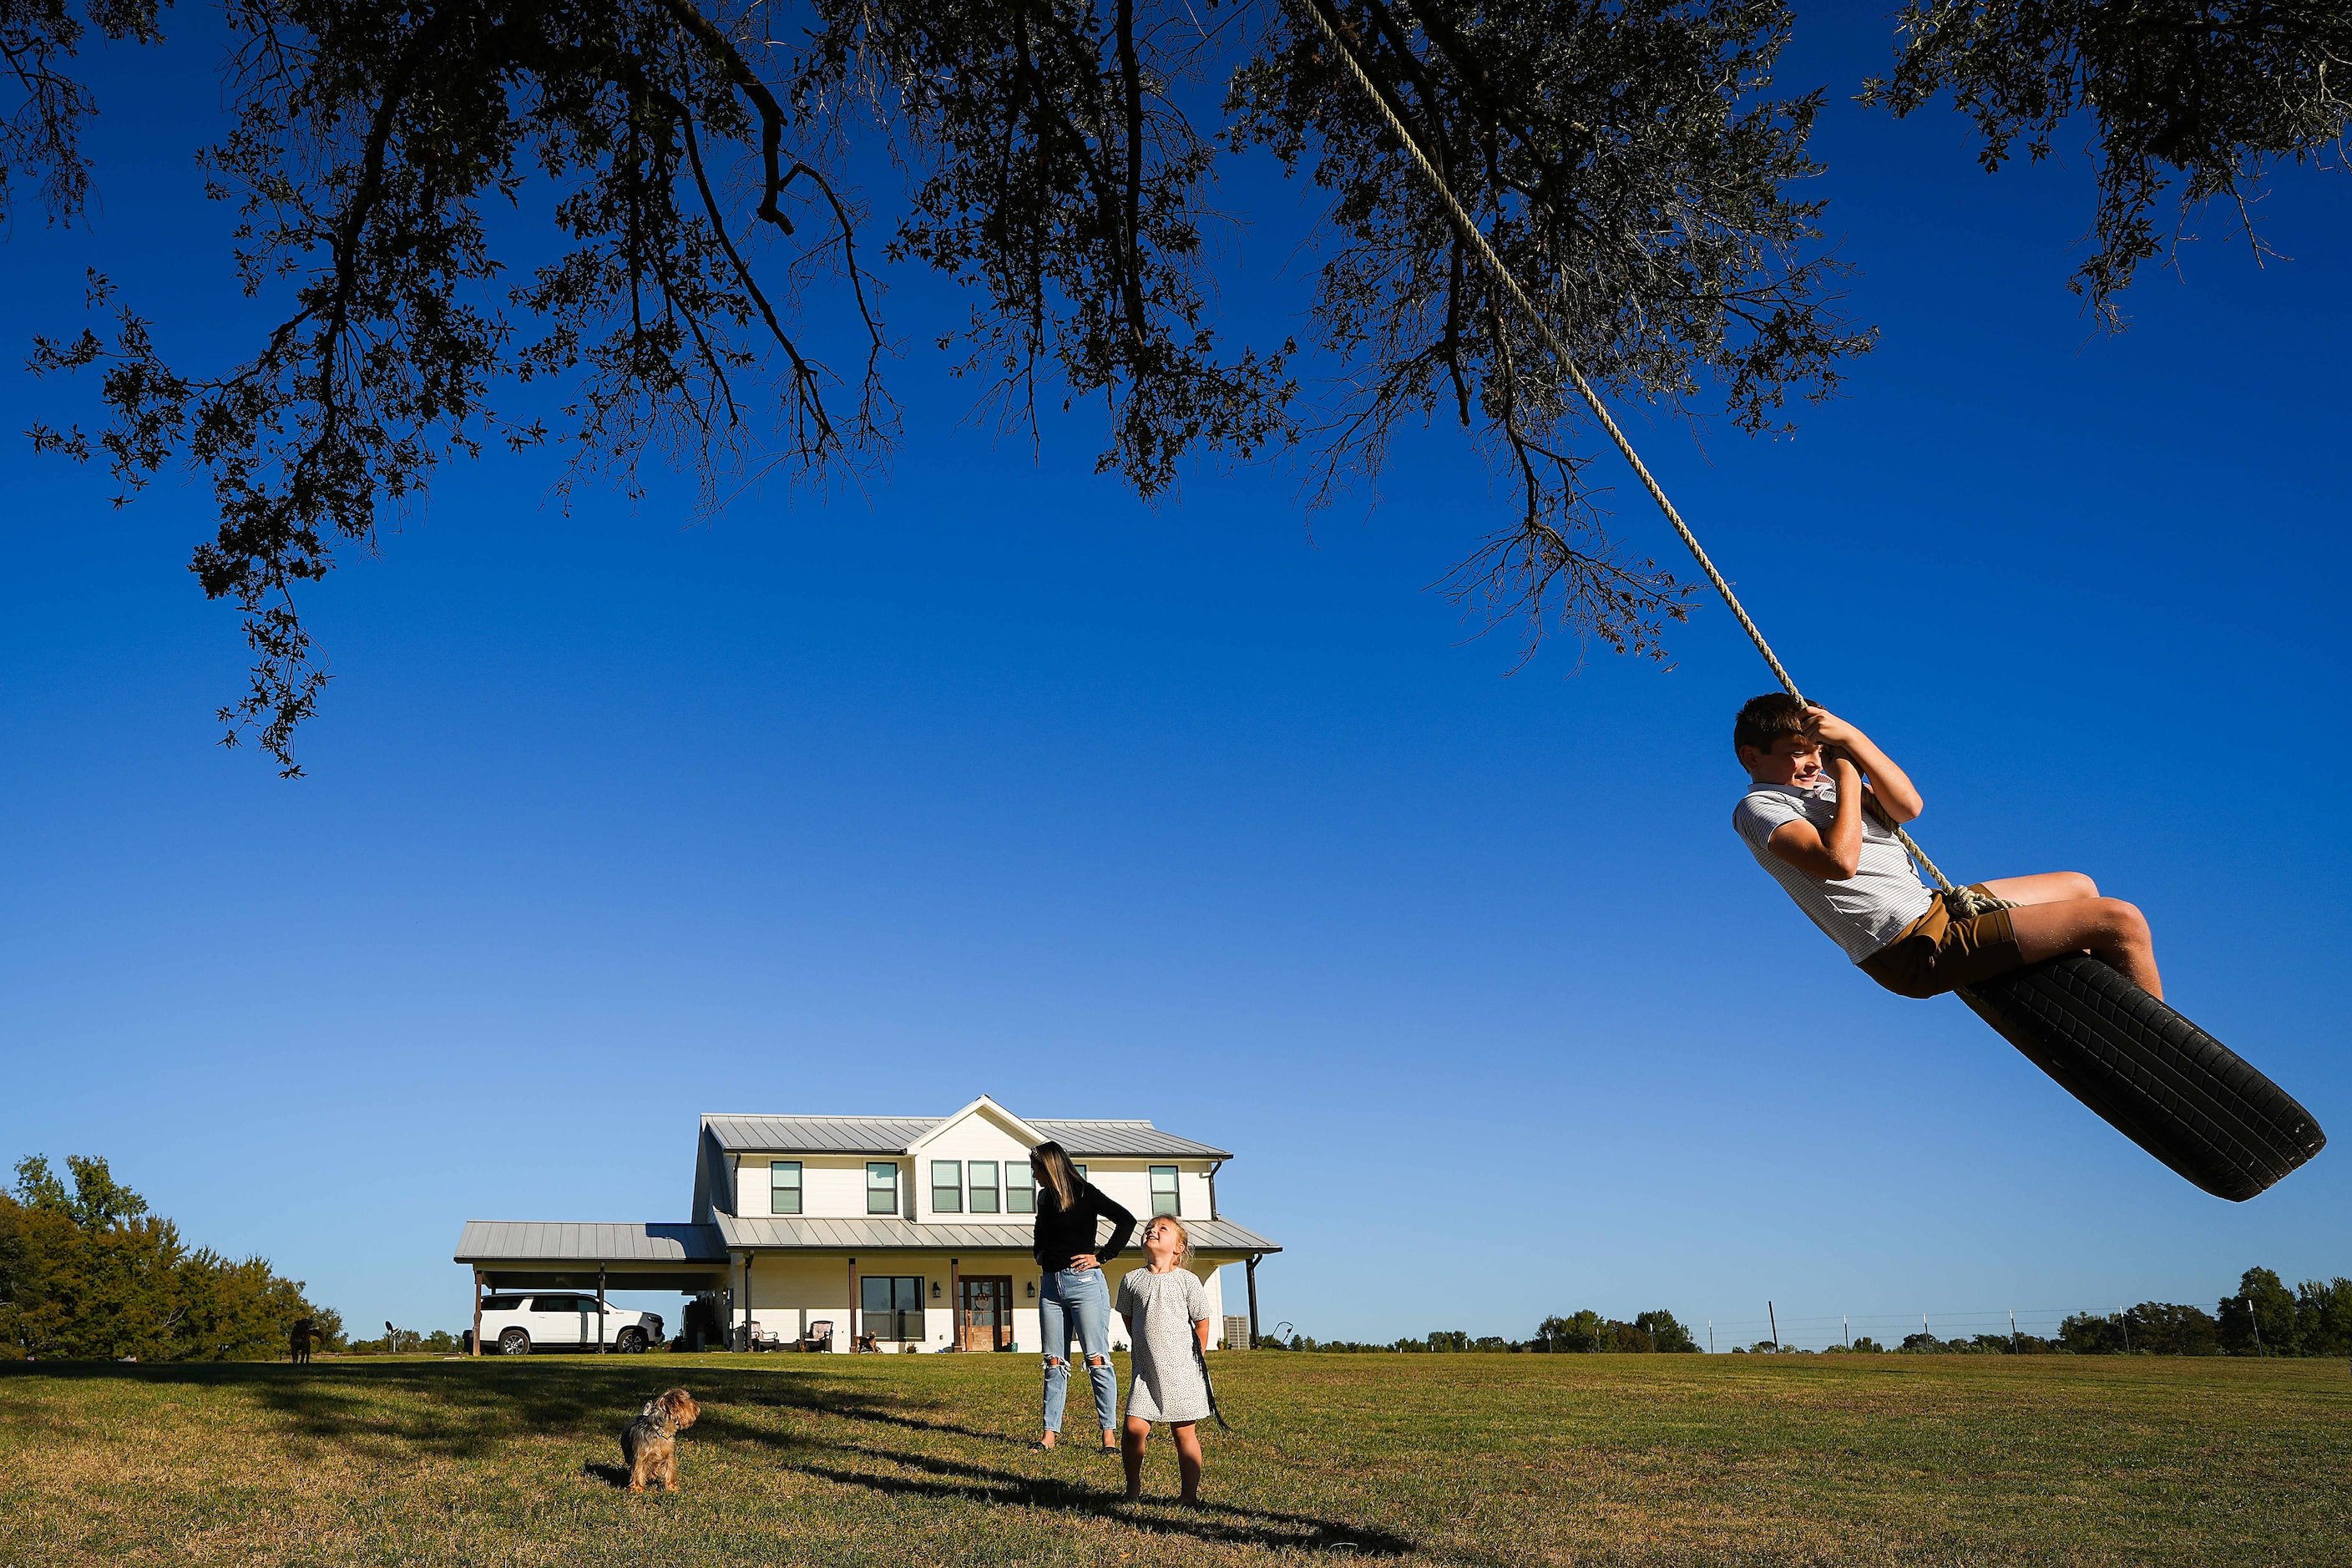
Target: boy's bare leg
[(2048, 888), (1138, 1431), (2062, 912), (1188, 1459)]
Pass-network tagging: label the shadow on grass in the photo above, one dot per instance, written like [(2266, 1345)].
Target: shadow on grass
[(951, 1481), (395, 1410)]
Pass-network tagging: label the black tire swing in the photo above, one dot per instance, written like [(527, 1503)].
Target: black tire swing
[(2143, 1069)]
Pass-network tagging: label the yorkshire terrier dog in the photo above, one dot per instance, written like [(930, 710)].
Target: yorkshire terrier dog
[(650, 1442)]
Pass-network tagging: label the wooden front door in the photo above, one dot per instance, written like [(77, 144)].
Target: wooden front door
[(984, 1312)]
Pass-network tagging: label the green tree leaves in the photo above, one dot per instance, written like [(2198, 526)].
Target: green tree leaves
[(87, 1272), (2210, 93)]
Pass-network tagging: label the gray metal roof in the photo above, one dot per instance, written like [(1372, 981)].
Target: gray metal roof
[(1106, 1138), (893, 1134), (550, 1241), (819, 1134), (884, 1233)]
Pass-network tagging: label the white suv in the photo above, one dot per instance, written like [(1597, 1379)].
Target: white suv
[(516, 1325)]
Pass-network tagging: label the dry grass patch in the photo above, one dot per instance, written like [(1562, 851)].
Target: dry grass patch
[(1475, 1460)]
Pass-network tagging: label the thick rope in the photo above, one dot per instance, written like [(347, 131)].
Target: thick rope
[(1501, 276)]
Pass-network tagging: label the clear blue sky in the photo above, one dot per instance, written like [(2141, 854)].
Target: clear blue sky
[(994, 780)]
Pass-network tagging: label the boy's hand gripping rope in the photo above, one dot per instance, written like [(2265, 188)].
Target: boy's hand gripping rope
[(1333, 29)]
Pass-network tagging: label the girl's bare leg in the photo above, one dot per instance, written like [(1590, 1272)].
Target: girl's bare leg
[(1138, 1432), (1188, 1459)]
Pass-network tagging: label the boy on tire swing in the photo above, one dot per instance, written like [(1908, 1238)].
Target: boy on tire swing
[(1803, 819)]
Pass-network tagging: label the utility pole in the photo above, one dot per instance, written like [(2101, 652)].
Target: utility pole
[(2013, 1331), (1774, 1319), (1845, 1327), (1710, 1336), (2257, 1323), (1924, 1329), (2125, 1318)]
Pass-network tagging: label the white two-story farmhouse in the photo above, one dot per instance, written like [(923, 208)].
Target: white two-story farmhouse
[(899, 1232)]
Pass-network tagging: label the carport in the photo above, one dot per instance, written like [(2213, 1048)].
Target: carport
[(538, 1255)]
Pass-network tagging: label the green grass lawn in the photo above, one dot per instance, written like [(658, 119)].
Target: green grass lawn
[(1451, 1459)]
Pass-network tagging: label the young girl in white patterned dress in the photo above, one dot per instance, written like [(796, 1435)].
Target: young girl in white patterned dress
[(1167, 1312)]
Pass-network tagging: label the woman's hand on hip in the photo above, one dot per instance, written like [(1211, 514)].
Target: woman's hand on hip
[(1084, 1262)]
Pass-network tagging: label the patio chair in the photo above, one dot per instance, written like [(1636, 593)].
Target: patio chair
[(818, 1338)]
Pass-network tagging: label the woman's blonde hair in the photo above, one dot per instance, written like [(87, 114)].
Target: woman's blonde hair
[(1052, 1164), (1184, 1258)]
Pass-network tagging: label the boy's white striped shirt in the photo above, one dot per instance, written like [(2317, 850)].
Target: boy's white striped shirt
[(1862, 913)]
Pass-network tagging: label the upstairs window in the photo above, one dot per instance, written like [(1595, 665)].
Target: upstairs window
[(881, 1187), (983, 1186), (1020, 1187), (947, 1186), (1163, 1191), (785, 1187)]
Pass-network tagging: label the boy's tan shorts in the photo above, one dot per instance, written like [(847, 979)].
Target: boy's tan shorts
[(1937, 954)]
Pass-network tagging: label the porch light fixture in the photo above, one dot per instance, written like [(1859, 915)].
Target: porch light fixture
[(1033, 1286), (935, 1290)]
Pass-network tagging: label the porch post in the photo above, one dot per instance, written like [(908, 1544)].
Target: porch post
[(600, 1309), (853, 1306), (1253, 1293), (477, 1311), (955, 1304)]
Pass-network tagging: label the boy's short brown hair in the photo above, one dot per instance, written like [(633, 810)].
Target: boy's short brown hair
[(1765, 719)]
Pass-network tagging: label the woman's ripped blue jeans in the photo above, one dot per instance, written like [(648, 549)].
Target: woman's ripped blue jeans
[(1076, 1300)]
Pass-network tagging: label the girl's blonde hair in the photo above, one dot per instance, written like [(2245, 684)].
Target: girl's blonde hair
[(1184, 1258), (1052, 1166)]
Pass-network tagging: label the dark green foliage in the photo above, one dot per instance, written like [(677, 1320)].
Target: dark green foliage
[(1619, 157), (86, 1272), (40, 136), (711, 301), (2211, 93), (1587, 1332), (1663, 1332), (2323, 1318), (2152, 1328), (407, 1342), (701, 289), (2259, 1318)]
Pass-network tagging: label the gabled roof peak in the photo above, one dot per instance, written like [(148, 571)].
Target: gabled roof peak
[(1099, 1137)]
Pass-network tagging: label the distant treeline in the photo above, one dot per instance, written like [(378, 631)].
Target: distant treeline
[(89, 1274), (2263, 1318), (1578, 1333)]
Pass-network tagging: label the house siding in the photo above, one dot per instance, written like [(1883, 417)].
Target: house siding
[(789, 1292)]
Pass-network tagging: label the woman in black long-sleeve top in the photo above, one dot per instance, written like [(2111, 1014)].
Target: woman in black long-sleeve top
[(1073, 1298)]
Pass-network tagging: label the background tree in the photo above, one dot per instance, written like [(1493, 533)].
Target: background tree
[(2323, 1317), (1630, 157), (2259, 1318), (87, 1272), (2204, 95), (1662, 1332), (712, 298), (1579, 1332)]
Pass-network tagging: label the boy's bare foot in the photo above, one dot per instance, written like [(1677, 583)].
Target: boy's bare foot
[(1134, 1495)]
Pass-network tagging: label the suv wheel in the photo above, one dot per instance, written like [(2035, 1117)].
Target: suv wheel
[(514, 1342), (632, 1341)]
